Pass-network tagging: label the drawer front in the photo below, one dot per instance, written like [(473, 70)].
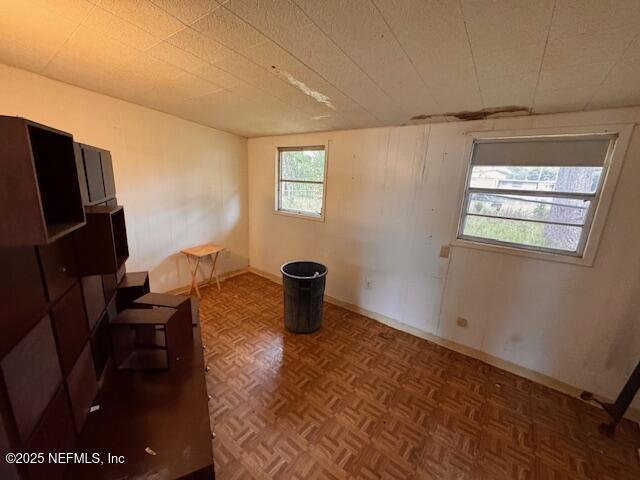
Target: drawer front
[(55, 433), (109, 285), (93, 293), (82, 386), (93, 171), (22, 294), (82, 177), (70, 325), (58, 266), (32, 375), (107, 174), (101, 345), (8, 440)]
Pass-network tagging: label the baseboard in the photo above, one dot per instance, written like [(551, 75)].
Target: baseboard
[(632, 413), (223, 276)]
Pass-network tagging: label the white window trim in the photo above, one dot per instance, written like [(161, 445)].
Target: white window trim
[(613, 166), (300, 214)]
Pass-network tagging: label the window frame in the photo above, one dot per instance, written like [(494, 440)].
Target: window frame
[(300, 213), (601, 198)]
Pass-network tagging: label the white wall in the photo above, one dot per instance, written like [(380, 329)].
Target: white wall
[(392, 203), (181, 184)]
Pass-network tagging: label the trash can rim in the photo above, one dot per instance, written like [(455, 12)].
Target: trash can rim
[(298, 277)]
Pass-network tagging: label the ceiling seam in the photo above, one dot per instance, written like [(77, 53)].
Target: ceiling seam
[(71, 35), (615, 63), (341, 50), (473, 58), (296, 108), (415, 69), (94, 6), (302, 62), (159, 40), (544, 52), (141, 27), (239, 77), (139, 50), (218, 5), (140, 105)]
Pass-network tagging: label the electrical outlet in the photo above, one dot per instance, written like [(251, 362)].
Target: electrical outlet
[(462, 322)]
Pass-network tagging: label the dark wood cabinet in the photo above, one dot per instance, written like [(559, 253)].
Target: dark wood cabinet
[(40, 198), (63, 247), (59, 266), (22, 294), (24, 370), (55, 433), (93, 293), (101, 245), (101, 345), (146, 338), (109, 285), (70, 326), (95, 169), (132, 286), (169, 409), (93, 172), (181, 303), (8, 437), (82, 177), (83, 386), (112, 309), (107, 174)]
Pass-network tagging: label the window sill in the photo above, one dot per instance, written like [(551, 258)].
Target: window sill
[(303, 216), (585, 261)]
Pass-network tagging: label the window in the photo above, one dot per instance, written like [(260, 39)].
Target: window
[(534, 193), (301, 181)]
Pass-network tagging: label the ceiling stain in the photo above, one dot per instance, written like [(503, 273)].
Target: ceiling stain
[(304, 88), (483, 114)]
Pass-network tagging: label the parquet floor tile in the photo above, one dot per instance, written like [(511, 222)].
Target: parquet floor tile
[(359, 400)]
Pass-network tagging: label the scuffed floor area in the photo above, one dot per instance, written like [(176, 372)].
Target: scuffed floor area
[(361, 400)]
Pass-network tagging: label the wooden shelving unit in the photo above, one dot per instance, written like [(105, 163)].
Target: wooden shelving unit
[(132, 286), (102, 246), (64, 275), (40, 198), (95, 172), (181, 303), (143, 339)]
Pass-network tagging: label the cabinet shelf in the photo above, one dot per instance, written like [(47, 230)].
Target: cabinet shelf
[(95, 173), (142, 338), (145, 359), (131, 286), (101, 244), (40, 198)]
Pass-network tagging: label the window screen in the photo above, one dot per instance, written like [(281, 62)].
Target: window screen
[(534, 193), (301, 182)]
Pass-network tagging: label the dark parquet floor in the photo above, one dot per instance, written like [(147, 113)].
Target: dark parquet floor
[(360, 400)]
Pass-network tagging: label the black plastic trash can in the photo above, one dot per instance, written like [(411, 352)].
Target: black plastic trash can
[(303, 286)]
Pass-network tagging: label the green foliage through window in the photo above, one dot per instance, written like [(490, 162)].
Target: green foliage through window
[(301, 180), (543, 207), (307, 165)]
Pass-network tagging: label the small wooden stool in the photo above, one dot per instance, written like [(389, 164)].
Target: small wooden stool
[(197, 254)]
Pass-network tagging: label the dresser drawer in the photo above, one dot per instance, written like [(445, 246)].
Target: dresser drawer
[(58, 266)]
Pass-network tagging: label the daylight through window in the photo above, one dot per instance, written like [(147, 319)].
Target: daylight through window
[(537, 194), (301, 181)]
